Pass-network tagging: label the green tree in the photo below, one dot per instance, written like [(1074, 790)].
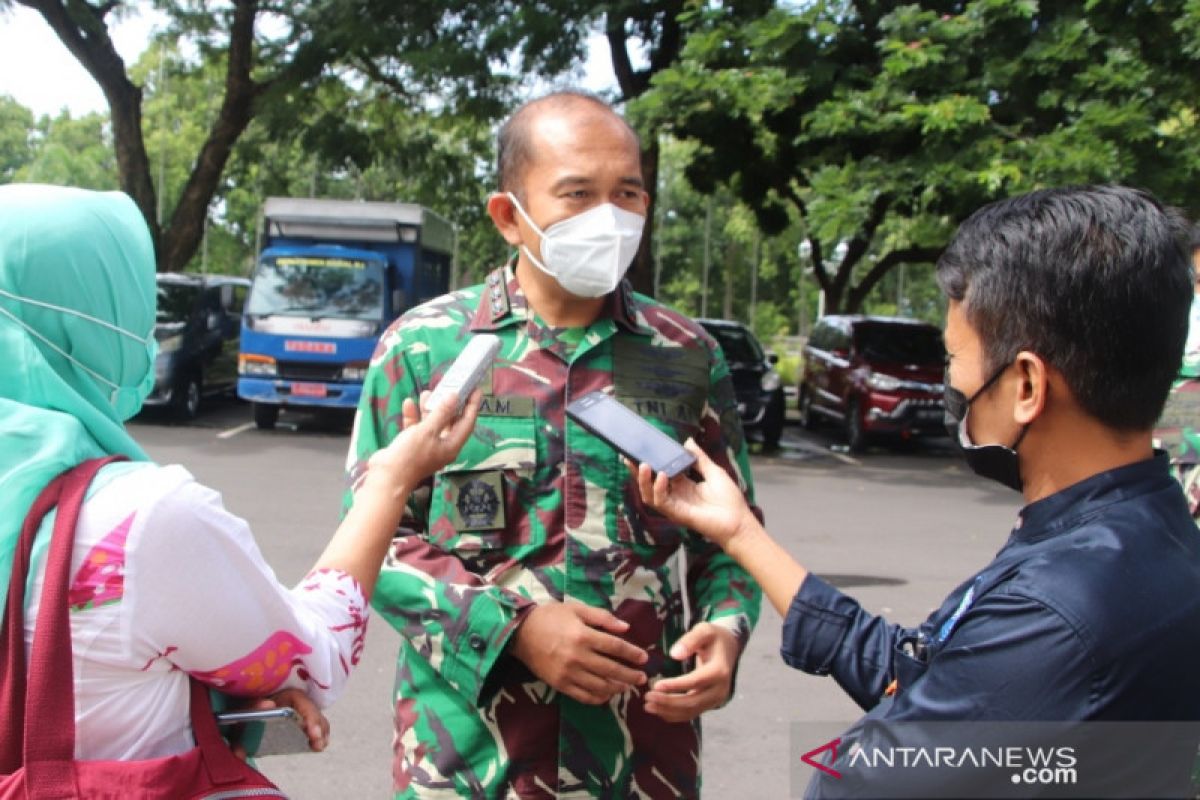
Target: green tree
[(265, 51), (16, 126), (880, 126), (71, 151)]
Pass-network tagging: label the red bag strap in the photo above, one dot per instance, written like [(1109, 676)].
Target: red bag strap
[(12, 668), (222, 765), (46, 690)]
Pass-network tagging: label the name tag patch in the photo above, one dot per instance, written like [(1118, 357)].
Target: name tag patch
[(511, 406)]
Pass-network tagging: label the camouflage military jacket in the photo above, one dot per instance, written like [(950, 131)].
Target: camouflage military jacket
[(537, 509)]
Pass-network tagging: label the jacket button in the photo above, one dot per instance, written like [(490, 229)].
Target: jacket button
[(477, 642)]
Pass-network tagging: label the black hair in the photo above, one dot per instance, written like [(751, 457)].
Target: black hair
[(513, 148), (1096, 280)]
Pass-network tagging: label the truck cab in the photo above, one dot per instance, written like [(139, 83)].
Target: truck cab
[(332, 275)]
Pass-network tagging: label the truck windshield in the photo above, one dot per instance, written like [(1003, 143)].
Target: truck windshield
[(317, 287)]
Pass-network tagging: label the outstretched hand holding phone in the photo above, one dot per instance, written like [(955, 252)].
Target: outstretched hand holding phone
[(310, 721), (715, 508)]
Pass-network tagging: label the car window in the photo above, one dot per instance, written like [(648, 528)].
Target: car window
[(906, 344), (839, 340), (176, 301), (238, 301), (738, 344), (820, 337), (233, 298)]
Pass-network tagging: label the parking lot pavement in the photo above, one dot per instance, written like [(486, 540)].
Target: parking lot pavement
[(898, 530), (231, 417)]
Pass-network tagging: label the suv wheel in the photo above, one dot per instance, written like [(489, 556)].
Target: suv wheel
[(185, 399), (772, 427), (807, 418), (265, 416), (856, 434)]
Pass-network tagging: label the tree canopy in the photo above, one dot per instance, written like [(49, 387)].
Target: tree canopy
[(881, 125), (792, 148)]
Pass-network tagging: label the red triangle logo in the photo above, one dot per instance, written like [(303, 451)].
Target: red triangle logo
[(810, 757)]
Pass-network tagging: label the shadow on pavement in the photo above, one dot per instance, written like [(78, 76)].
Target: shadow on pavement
[(851, 581)]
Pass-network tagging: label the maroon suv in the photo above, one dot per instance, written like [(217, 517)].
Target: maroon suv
[(874, 375)]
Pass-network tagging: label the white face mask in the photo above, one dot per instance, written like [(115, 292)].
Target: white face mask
[(589, 253), (125, 400)]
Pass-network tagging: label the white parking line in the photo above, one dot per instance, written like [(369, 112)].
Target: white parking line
[(235, 431)]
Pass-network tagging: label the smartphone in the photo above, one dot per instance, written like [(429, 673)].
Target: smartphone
[(271, 732), (632, 436), (466, 372)]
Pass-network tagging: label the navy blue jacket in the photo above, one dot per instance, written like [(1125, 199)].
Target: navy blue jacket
[(1091, 611)]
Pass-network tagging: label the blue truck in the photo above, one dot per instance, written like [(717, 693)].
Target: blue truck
[(331, 275)]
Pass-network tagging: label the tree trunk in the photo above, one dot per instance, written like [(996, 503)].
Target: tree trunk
[(82, 30), (905, 255), (641, 275), (633, 83), (182, 238)]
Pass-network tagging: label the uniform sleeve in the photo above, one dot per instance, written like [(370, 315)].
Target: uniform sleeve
[(723, 593), (457, 620), (203, 598)]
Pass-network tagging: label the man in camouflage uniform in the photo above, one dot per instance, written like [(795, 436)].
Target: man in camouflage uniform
[(559, 639)]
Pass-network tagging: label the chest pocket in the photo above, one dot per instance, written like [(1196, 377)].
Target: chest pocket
[(668, 387), (477, 500)]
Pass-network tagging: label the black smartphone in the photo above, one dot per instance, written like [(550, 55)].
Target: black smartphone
[(632, 436), (272, 732)]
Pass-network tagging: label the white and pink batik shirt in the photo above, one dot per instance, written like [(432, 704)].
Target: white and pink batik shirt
[(166, 583)]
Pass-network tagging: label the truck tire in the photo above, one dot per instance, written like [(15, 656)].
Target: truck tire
[(265, 416)]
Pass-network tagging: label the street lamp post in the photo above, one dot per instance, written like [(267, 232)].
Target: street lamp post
[(804, 252)]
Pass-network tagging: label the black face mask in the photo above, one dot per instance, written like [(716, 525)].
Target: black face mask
[(994, 461)]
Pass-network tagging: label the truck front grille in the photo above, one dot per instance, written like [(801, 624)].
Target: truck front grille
[(302, 371)]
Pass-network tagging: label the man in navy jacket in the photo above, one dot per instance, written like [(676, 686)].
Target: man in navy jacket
[(1068, 311)]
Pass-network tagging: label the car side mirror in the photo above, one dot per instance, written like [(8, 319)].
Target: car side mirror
[(772, 358)]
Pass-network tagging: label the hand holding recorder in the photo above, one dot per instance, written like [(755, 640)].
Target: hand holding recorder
[(465, 373)]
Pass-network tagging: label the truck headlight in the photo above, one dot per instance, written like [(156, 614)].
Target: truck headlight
[(256, 365), (770, 381), (355, 371), (883, 383)]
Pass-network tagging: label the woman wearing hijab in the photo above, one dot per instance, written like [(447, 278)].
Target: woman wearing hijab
[(165, 582)]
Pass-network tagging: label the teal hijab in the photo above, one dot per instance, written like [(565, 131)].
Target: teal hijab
[(77, 302)]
